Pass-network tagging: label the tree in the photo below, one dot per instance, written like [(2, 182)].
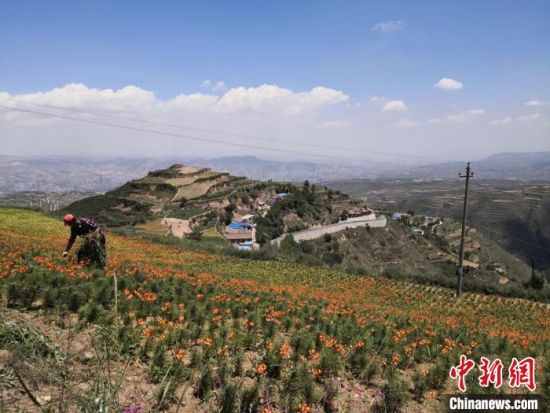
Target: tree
[(289, 245), (196, 234), (537, 281)]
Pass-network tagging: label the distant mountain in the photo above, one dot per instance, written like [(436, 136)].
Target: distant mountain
[(290, 171), (66, 174), (519, 166)]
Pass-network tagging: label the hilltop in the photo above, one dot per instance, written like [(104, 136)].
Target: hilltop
[(204, 198)]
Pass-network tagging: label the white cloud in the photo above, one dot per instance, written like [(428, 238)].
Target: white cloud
[(389, 26), (528, 118), (405, 123), (461, 117), (262, 98), (536, 103), (218, 86), (520, 119), (321, 115), (335, 124), (472, 112), (501, 121), (78, 95), (394, 106), (388, 105), (275, 98), (265, 110), (447, 83)]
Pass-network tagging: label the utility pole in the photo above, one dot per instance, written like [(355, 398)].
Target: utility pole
[(460, 270)]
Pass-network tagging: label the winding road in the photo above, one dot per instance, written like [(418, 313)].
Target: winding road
[(316, 232)]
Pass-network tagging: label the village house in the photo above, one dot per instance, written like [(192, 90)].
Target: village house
[(240, 234)]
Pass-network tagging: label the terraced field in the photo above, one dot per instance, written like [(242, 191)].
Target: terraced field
[(175, 330), (512, 213)]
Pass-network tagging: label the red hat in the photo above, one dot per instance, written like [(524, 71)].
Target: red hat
[(67, 219)]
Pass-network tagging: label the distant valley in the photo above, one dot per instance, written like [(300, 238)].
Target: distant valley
[(82, 174)]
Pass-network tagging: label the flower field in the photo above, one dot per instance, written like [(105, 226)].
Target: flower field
[(193, 331)]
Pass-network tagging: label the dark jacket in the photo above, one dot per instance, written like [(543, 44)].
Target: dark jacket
[(79, 228)]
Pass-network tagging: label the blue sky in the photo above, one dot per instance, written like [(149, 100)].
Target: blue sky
[(498, 50)]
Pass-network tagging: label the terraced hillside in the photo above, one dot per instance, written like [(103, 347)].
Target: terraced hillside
[(182, 201), (202, 198), (169, 329), (396, 251), (512, 213)]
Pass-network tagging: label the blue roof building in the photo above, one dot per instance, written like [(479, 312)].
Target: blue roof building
[(244, 226)]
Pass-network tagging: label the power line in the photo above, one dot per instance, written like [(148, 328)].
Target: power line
[(239, 135), (175, 135)]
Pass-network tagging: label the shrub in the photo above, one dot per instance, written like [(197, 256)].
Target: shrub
[(420, 384), (205, 383), (329, 362), (393, 393), (228, 398), (249, 400)]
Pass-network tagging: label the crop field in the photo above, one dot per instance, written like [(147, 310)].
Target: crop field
[(194, 190), (186, 180), (168, 329)]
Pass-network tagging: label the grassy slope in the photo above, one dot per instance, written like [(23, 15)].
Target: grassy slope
[(390, 315)]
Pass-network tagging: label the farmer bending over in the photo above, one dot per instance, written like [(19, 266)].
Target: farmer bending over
[(92, 249)]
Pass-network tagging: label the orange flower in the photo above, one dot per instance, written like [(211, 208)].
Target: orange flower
[(360, 344), (284, 351), (149, 296), (304, 408), (314, 355), (180, 354), (395, 359), (317, 372), (261, 369), (248, 324), (340, 349)]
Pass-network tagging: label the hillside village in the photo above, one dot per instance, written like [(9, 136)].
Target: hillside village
[(182, 199)]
